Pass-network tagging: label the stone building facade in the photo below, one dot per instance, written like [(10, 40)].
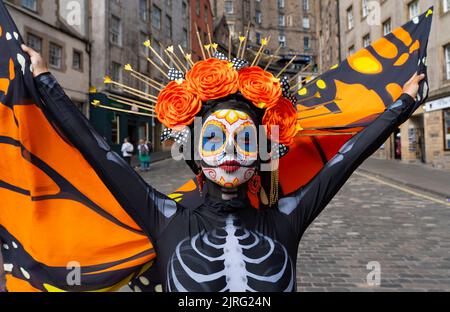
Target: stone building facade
[(289, 23), (119, 28), (425, 138), (328, 34), (58, 29)]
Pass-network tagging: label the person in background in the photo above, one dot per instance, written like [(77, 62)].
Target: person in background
[(144, 155), (127, 150)]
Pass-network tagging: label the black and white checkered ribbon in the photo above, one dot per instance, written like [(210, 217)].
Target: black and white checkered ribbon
[(220, 56), (238, 64), (175, 74)]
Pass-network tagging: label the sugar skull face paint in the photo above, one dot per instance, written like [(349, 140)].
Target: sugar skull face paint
[(229, 148)]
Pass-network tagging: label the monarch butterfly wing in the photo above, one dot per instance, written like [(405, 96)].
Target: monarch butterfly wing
[(61, 227), (350, 96)]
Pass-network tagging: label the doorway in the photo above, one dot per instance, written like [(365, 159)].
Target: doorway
[(417, 138), (133, 131), (397, 145)]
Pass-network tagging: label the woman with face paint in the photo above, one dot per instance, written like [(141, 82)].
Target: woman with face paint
[(225, 244)]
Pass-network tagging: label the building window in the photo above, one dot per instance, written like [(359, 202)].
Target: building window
[(34, 42), (115, 129), (169, 26), (143, 37), (281, 20), (184, 10), (185, 38), (366, 41), (157, 47), (205, 13), (387, 27), (447, 128), (156, 17), (281, 4), (447, 61), (55, 56), (143, 9), (197, 7), (29, 4), (446, 5), (258, 38), (116, 73), (364, 8), (350, 20), (351, 50), (229, 9), (413, 9), (306, 43), (306, 24), (77, 60), (232, 29), (282, 41), (116, 30), (258, 17), (305, 5)]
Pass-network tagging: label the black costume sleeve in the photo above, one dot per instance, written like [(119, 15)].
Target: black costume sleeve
[(150, 209), (303, 206)]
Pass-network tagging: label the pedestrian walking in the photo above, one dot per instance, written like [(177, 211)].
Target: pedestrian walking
[(127, 150), (144, 155)]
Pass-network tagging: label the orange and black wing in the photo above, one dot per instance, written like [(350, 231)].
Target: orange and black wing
[(351, 95), (62, 228)]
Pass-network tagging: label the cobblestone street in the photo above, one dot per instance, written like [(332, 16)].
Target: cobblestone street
[(370, 220)]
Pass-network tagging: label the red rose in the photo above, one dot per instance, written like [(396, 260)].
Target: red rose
[(176, 106), (212, 79), (259, 86), (284, 115)]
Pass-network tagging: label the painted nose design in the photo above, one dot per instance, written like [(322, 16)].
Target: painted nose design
[(230, 149)]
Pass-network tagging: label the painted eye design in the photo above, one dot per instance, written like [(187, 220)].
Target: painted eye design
[(213, 138), (246, 140)]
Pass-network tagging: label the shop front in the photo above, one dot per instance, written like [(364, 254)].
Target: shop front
[(437, 132), (115, 122)]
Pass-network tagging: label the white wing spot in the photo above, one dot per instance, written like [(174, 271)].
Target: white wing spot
[(15, 245), (8, 36), (144, 281), (21, 61), (25, 273), (16, 35), (8, 267)]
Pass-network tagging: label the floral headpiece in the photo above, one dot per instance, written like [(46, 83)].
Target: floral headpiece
[(216, 77)]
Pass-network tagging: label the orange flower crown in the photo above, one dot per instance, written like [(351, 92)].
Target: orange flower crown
[(216, 78)]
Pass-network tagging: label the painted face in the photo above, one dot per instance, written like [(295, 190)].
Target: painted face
[(228, 148)]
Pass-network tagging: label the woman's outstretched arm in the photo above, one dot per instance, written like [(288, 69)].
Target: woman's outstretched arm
[(150, 209), (303, 206)]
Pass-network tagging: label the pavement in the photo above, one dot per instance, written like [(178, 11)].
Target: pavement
[(416, 176), (386, 230), (373, 223)]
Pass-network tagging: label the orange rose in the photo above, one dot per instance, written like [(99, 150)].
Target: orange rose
[(212, 79), (284, 115), (177, 106), (259, 86)]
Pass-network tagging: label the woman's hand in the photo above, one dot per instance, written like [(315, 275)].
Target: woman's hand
[(412, 86), (39, 64)]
